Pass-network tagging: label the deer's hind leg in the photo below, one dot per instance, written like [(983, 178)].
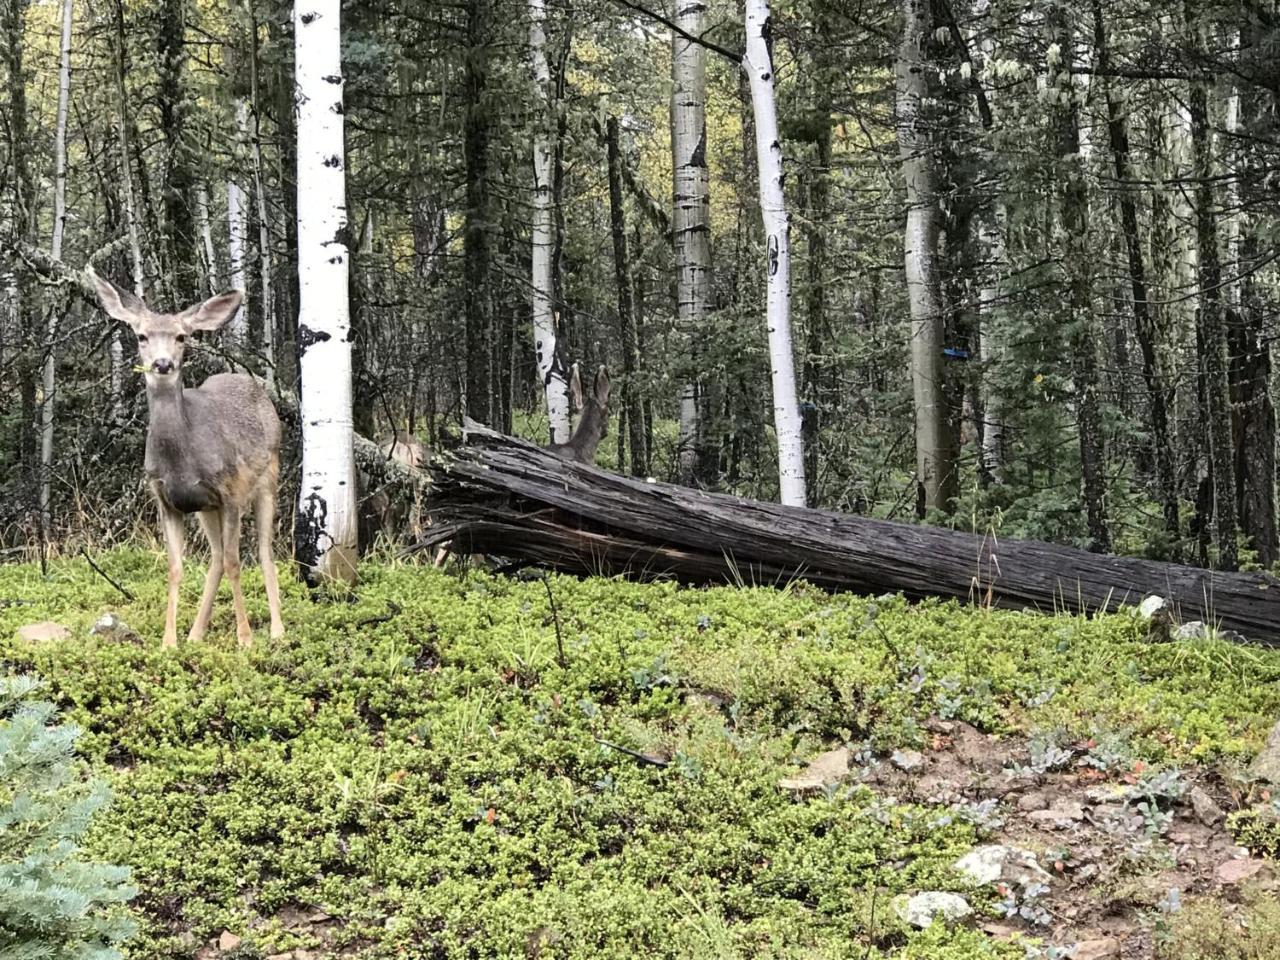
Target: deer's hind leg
[(211, 523), (231, 562), (265, 520), (175, 544)]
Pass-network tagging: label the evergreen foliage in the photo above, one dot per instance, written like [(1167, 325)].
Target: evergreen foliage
[(54, 904)]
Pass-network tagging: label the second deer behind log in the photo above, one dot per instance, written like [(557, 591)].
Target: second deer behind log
[(593, 425)]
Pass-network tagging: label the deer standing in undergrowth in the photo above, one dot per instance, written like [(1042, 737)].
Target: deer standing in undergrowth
[(213, 450), (593, 424)]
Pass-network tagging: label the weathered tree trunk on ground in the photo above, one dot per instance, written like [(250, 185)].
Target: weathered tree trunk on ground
[(758, 64), (691, 214), (507, 497), (325, 532), (551, 371), (935, 470)]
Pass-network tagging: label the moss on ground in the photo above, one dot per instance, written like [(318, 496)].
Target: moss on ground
[(434, 778)]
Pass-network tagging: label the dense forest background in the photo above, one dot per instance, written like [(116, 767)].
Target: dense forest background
[(1033, 246)]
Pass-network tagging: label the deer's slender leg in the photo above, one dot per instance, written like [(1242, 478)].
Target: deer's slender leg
[(211, 523), (231, 563), (175, 544), (265, 518)]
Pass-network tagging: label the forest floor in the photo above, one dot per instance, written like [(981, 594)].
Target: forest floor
[(461, 765)]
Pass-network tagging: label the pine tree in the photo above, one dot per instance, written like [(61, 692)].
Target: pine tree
[(54, 905)]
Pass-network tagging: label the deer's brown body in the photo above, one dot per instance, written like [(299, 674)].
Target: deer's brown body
[(213, 451), (593, 424)]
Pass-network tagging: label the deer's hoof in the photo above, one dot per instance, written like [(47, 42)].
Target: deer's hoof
[(170, 640)]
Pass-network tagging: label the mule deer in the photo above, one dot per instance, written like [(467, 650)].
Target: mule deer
[(593, 424), (213, 450)]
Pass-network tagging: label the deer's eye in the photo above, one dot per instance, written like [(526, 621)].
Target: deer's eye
[(142, 338), (182, 338)]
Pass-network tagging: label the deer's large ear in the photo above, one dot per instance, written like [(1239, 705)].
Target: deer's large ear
[(601, 387), (120, 304), (213, 313), (575, 387)]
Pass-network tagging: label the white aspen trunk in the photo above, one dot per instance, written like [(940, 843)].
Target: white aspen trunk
[(55, 251), (1232, 225), (691, 213), (265, 260), (237, 229), (989, 349), (758, 63), (325, 533), (554, 383), (206, 239), (934, 469)]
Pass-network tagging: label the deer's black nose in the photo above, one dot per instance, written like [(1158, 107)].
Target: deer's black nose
[(162, 366)]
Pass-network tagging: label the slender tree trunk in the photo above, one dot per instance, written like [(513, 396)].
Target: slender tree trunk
[(124, 126), (786, 407), (632, 407), (691, 214), (237, 235), (555, 387), (475, 236), (325, 533), (178, 180), (55, 251), (935, 471), (1212, 325), (816, 387), (209, 259), (1082, 330), (265, 257), (1159, 396), (25, 368), (989, 340)]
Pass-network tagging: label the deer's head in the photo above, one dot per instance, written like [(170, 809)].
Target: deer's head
[(162, 337)]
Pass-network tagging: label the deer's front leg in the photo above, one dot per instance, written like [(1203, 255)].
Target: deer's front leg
[(231, 564), (211, 522), (175, 544)]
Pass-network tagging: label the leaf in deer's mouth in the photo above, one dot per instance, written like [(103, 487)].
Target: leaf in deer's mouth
[(139, 368)]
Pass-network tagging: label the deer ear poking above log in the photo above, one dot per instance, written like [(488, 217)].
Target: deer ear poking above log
[(593, 425)]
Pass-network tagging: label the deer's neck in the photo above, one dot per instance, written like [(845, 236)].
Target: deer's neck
[(168, 428), (591, 430)]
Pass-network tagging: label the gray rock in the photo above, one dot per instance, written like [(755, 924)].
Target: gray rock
[(1195, 630), (923, 908), (907, 760), (1206, 810), (1266, 765), (1152, 605), (1062, 813), (110, 627), (43, 632), (996, 862)]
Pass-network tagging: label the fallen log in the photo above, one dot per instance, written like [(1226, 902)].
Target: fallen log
[(503, 496)]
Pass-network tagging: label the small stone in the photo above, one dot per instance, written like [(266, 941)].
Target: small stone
[(288, 955), (824, 769), (228, 941), (1238, 871), (1065, 812), (1110, 793), (907, 760), (1152, 605), (923, 908), (1097, 949), (1032, 801), (1001, 931), (996, 862), (1206, 810), (43, 632), (1195, 630), (1266, 765), (112, 628)]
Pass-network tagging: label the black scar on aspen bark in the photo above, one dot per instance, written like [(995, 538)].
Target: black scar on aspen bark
[(306, 18), (308, 530), (332, 78), (308, 338), (699, 157), (337, 108), (773, 255), (334, 161)]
